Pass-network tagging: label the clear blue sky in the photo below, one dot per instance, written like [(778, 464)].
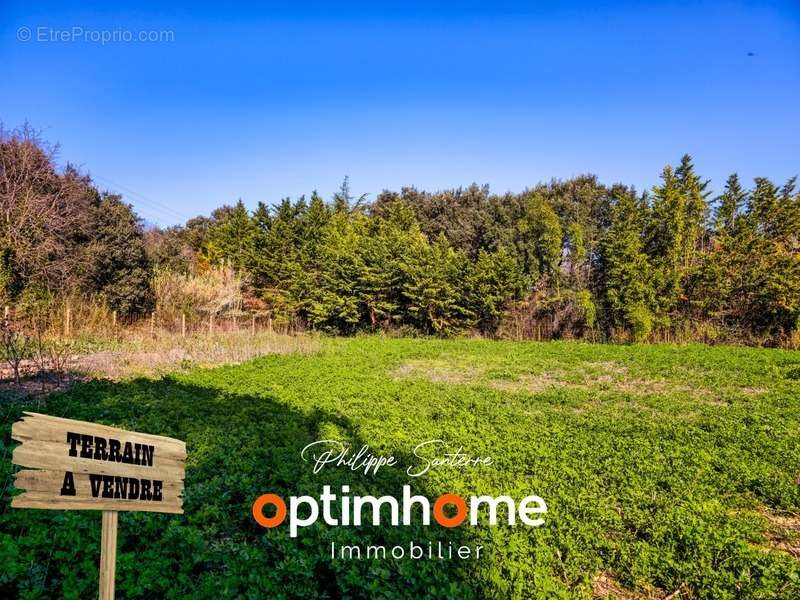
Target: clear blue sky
[(277, 101)]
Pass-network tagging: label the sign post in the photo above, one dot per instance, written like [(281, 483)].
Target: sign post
[(108, 554), (75, 465)]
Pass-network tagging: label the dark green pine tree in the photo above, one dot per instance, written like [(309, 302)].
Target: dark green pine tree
[(310, 227), (494, 280), (771, 282), (334, 300), (788, 226), (763, 207), (627, 290), (715, 283), (281, 247), (730, 204), (231, 237), (695, 193), (434, 273), (382, 277), (666, 235), (257, 264)]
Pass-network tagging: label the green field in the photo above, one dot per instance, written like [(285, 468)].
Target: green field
[(665, 469)]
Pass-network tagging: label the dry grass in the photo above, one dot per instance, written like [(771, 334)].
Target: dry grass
[(215, 290), (137, 353), (784, 534), (165, 353), (606, 587), (532, 384), (439, 372), (611, 385), (598, 376)]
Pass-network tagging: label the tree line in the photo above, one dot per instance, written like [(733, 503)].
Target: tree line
[(583, 258)]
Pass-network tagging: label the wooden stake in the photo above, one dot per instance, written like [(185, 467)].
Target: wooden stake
[(253, 325), (67, 322), (183, 324), (114, 319), (152, 324), (5, 312), (108, 554)]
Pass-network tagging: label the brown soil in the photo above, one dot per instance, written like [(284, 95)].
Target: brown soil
[(605, 586), (785, 533)]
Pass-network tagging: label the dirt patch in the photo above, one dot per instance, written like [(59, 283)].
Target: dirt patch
[(784, 535), (589, 376), (752, 391), (604, 377), (598, 376), (607, 367), (654, 386), (438, 372), (606, 586), (38, 385), (533, 384), (154, 357)]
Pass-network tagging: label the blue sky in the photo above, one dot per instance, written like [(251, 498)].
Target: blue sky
[(264, 103)]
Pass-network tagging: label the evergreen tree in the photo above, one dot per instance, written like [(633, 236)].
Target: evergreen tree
[(730, 204), (714, 286), (666, 240), (494, 280), (344, 201), (789, 218), (257, 259), (382, 276), (231, 237), (770, 291), (763, 208), (695, 194), (628, 293), (433, 274), (334, 301), (279, 266)]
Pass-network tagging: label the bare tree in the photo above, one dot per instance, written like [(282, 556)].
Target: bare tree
[(15, 345), (44, 215)]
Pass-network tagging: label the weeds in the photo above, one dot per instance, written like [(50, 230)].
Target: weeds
[(653, 492)]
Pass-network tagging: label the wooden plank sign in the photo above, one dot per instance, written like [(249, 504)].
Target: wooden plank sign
[(75, 465), (80, 465)]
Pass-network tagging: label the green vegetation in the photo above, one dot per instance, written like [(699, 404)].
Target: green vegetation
[(566, 259), (61, 236), (664, 468)]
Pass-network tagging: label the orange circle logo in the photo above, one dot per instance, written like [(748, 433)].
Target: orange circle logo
[(258, 510), (461, 510)]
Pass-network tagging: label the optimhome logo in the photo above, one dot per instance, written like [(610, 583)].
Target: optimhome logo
[(304, 511)]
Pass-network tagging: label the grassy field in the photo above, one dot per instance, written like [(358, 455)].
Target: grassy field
[(669, 471)]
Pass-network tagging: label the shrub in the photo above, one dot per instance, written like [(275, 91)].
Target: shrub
[(585, 303), (640, 320)]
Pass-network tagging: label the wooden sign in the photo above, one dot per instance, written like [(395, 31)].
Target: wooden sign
[(83, 465), (75, 465)]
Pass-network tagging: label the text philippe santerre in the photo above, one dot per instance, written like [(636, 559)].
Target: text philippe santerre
[(343, 509)]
